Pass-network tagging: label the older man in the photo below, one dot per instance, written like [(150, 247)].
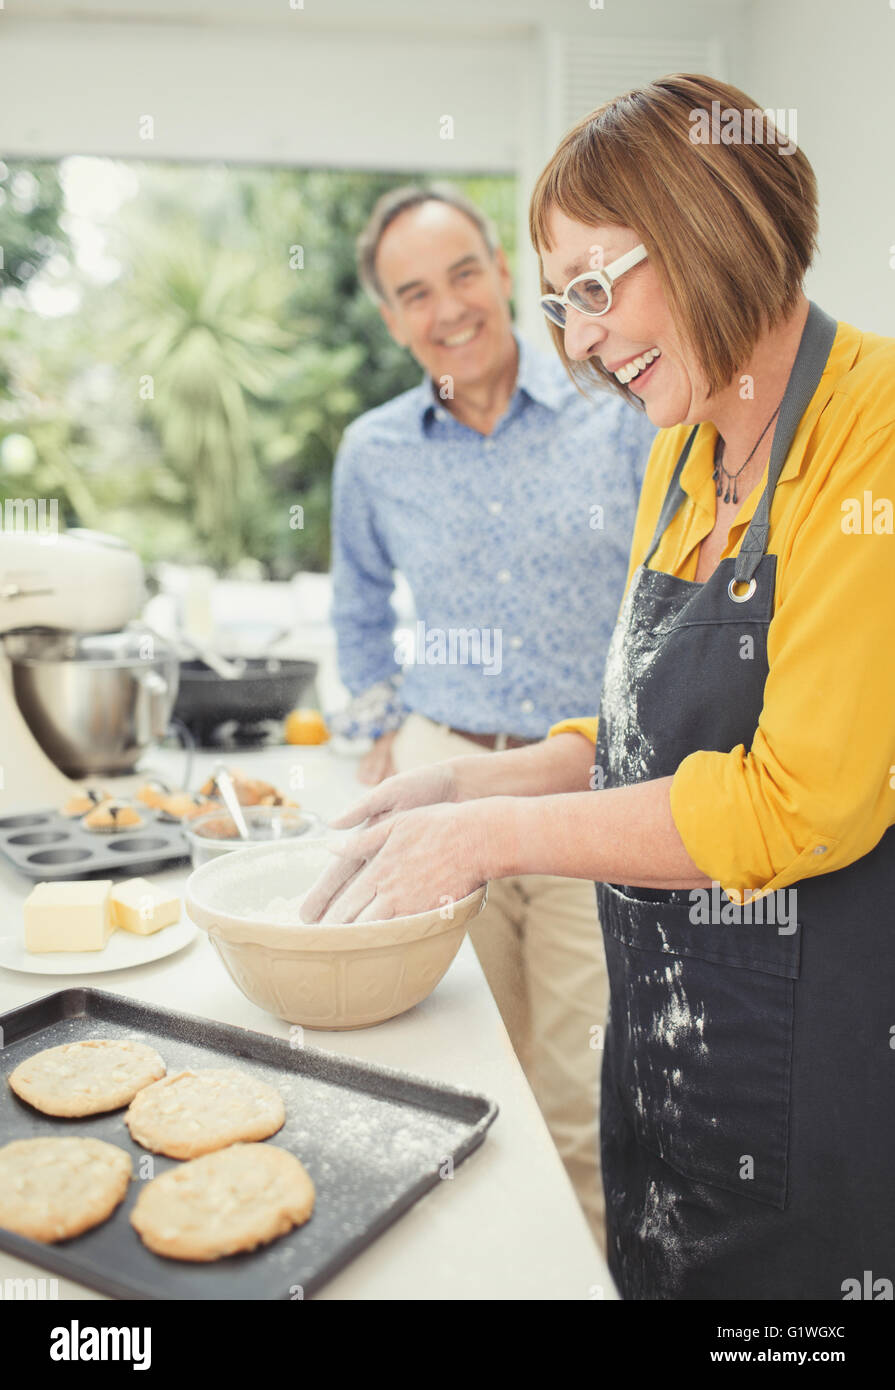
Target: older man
[(507, 501)]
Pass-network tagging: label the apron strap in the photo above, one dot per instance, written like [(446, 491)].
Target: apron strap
[(804, 379)]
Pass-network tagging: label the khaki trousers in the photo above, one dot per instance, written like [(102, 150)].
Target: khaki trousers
[(541, 948)]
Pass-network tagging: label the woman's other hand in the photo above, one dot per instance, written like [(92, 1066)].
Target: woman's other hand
[(420, 786)]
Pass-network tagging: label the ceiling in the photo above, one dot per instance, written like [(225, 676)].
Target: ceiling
[(459, 17)]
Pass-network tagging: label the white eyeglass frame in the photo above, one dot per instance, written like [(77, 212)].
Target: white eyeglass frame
[(607, 278)]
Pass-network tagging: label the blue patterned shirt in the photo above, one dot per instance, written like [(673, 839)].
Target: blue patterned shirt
[(514, 545)]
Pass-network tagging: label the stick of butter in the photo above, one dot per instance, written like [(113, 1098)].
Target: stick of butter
[(68, 916), (138, 906)]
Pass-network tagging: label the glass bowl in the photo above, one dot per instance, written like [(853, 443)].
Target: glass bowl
[(214, 833)]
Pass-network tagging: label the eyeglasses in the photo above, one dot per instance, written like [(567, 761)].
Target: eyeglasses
[(590, 293)]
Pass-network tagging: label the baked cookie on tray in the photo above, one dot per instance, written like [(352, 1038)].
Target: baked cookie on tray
[(241, 1197), (195, 1112), (86, 1078), (53, 1189)]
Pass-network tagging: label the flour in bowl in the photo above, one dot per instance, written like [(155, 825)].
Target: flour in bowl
[(286, 912)]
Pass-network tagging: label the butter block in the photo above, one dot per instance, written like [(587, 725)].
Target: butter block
[(138, 906), (69, 916)]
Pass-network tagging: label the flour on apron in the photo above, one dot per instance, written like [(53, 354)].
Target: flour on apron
[(628, 662)]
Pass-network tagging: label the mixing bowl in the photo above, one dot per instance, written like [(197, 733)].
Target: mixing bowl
[(95, 702), (340, 976)]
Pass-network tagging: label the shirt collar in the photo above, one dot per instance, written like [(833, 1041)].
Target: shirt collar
[(532, 377)]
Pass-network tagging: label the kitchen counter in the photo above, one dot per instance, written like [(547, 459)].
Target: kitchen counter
[(508, 1226)]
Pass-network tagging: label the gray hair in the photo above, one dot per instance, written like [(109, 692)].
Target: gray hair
[(398, 200)]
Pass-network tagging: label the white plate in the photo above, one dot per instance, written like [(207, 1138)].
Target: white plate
[(123, 950)]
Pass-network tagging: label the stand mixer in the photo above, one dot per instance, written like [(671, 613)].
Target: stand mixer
[(80, 692)]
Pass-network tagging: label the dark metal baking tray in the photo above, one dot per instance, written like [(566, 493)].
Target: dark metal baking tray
[(373, 1139), (46, 845)]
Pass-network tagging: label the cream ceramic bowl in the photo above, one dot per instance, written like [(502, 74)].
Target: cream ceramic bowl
[(318, 976)]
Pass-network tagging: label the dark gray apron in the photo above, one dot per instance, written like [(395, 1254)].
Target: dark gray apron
[(748, 1093)]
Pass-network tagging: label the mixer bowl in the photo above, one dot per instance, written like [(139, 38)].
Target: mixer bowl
[(319, 976), (94, 703)]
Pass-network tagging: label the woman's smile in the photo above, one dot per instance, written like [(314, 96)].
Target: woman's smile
[(638, 368), (644, 376)]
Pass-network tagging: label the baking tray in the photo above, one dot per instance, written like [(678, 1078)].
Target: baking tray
[(373, 1139), (46, 845)]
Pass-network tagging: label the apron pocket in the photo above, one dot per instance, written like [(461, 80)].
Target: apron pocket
[(700, 1037)]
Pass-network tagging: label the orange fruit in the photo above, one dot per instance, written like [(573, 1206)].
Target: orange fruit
[(306, 726)]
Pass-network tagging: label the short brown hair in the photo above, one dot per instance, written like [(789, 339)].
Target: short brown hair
[(731, 229), (398, 200)]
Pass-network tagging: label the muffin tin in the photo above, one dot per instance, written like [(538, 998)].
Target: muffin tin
[(45, 845)]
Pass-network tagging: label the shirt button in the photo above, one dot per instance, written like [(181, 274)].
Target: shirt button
[(504, 576), (495, 508), (526, 707), (440, 414), (820, 849), (490, 445), (516, 642)]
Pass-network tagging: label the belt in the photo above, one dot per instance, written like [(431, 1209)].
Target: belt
[(496, 742)]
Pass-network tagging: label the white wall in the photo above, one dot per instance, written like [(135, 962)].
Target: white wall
[(835, 64), (339, 83), (355, 84), (247, 93)]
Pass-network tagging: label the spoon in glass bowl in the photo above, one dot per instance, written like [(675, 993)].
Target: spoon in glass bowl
[(225, 785)]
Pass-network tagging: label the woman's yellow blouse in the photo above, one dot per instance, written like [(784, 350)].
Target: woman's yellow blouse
[(816, 790)]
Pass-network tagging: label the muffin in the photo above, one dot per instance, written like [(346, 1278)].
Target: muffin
[(153, 793), (187, 805), (113, 816), (250, 791), (84, 800)]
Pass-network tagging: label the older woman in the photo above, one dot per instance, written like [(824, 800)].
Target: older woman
[(746, 734)]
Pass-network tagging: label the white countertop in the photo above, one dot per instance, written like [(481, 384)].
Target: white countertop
[(508, 1226)]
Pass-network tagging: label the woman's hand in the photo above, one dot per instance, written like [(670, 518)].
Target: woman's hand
[(423, 858), (421, 786)]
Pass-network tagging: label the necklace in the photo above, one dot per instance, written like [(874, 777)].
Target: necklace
[(732, 477)]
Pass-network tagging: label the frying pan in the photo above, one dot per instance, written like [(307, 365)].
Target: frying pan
[(268, 688)]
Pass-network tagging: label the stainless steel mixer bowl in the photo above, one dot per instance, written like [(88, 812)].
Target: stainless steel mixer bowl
[(94, 702)]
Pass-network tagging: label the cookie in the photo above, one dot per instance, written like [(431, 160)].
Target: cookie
[(195, 1112), (244, 1196), (86, 1078), (52, 1189)]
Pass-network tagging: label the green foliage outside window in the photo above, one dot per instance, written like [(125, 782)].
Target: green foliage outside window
[(192, 401)]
